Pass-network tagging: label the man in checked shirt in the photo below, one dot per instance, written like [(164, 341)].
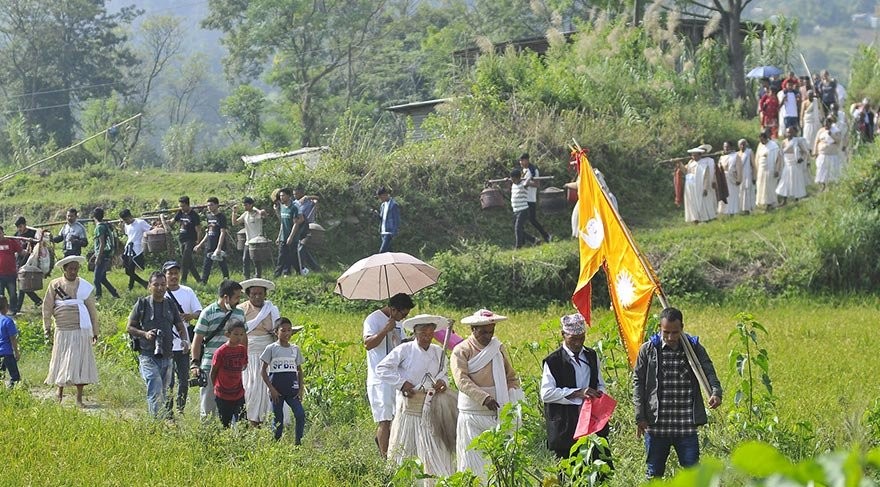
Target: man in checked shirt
[(666, 394)]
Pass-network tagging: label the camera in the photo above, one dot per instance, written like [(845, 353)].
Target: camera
[(159, 351), (200, 380)]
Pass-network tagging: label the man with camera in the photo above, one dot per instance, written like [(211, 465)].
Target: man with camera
[(150, 326), (189, 308)]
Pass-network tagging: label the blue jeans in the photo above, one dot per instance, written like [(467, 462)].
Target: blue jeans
[(101, 267), (386, 243), (298, 413), (157, 375), (8, 285), (10, 365), (686, 447)]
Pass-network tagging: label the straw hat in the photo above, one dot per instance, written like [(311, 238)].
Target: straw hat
[(482, 317), (706, 148), (257, 282), (440, 322), (70, 258)]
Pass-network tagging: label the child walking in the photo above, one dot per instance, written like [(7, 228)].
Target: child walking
[(9, 352), (226, 366), (282, 373)]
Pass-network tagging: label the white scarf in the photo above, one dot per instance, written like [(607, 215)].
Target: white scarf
[(267, 308), (82, 293), (492, 354)]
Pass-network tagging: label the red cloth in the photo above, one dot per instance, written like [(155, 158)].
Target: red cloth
[(595, 414), (8, 248), (229, 362), (678, 184), (769, 106), (454, 339)]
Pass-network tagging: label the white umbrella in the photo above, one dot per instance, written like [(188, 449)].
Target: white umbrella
[(380, 276)]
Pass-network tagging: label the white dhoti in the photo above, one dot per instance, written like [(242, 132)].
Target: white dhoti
[(473, 419), (825, 168), (256, 394), (416, 432)]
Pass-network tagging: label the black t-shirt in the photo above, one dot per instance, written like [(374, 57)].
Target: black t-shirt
[(29, 246), (188, 223), (216, 222)]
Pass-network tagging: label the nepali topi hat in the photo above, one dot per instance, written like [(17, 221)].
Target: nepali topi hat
[(573, 324)]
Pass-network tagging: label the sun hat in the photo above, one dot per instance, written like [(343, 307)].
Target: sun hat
[(696, 150), (440, 322), (482, 317), (70, 258), (257, 282)]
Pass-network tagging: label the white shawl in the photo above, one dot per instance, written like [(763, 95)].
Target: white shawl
[(267, 309), (492, 354), (82, 293)]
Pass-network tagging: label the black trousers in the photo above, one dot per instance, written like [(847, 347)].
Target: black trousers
[(533, 219), (288, 259), (229, 410), (132, 264), (186, 260), (180, 378)]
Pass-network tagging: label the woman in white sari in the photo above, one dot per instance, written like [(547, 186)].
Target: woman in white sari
[(768, 160), (811, 118), (827, 152), (747, 186), (795, 154)]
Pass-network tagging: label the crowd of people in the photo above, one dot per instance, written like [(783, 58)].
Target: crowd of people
[(814, 148)]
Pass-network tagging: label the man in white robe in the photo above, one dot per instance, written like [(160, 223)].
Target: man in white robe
[(417, 370), (747, 186), (731, 164), (794, 156), (486, 382), (696, 185), (260, 315), (710, 195), (768, 160)]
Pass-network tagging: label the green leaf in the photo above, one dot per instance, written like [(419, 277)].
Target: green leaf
[(759, 326), (738, 397), (760, 460), (767, 383), (740, 364), (762, 361), (873, 457)]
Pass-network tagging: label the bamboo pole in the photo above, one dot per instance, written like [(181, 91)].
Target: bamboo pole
[(9, 176), (538, 178), (686, 158)]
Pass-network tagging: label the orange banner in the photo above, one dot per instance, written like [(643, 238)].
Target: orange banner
[(604, 241)]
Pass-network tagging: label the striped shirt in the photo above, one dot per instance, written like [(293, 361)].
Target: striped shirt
[(676, 414), (209, 320), (519, 196)]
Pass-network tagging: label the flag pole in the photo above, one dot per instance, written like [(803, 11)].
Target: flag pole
[(664, 300)]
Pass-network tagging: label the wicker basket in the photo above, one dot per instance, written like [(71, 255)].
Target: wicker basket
[(156, 241), (552, 199), (492, 198), (30, 278), (316, 236), (260, 249), (240, 240)]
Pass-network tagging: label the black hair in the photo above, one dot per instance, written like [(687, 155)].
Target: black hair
[(184, 200), (4, 303), (525, 155), (156, 275), (248, 200), (72, 210), (234, 323), (281, 322), (286, 191), (672, 314), (382, 190), (98, 213), (20, 221), (126, 213), (213, 199), (227, 287), (515, 173), (401, 301)]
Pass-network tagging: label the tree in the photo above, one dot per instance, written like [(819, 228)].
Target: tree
[(306, 42), (730, 14), (55, 54)]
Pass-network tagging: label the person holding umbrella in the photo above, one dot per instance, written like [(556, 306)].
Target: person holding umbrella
[(417, 369), (382, 333)]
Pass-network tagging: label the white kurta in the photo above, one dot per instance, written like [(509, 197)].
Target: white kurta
[(412, 428), (794, 157), (732, 166), (692, 195), (747, 187), (768, 160), (811, 121), (710, 199)]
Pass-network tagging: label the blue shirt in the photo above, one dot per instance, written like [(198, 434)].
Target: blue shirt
[(7, 332)]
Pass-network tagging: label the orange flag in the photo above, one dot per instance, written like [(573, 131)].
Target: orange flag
[(604, 241)]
